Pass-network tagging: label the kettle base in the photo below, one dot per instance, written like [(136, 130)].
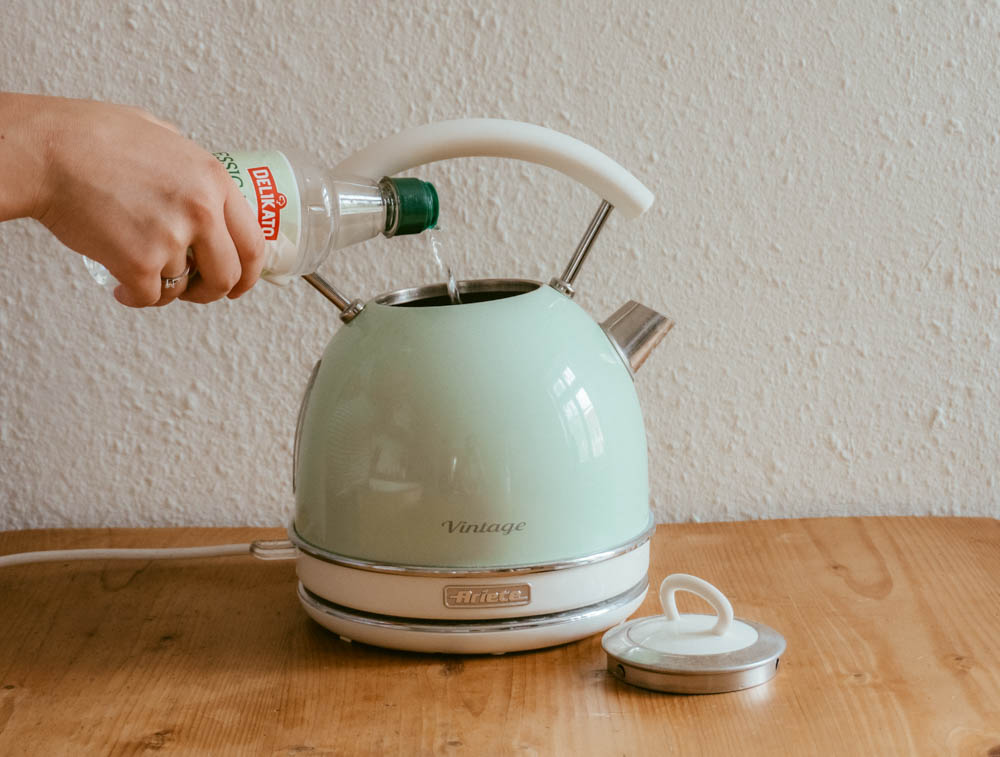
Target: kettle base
[(488, 636)]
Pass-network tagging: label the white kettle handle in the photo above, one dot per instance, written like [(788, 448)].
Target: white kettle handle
[(497, 138)]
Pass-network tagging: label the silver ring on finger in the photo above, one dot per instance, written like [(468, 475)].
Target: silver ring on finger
[(169, 282)]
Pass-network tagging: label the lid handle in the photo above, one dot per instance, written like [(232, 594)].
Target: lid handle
[(699, 587), (497, 138)]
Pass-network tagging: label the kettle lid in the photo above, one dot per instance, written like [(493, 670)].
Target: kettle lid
[(689, 653)]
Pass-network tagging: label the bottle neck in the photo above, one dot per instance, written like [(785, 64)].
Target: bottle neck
[(392, 207), (390, 201), (362, 211)]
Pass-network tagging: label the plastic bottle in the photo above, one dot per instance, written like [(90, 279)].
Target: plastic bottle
[(305, 213)]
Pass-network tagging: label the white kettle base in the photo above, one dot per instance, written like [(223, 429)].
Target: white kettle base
[(493, 636), (488, 610)]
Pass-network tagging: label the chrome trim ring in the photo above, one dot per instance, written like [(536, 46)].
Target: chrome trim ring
[(595, 610), (424, 570), (504, 287)]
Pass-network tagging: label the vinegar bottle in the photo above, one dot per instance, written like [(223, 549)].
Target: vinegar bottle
[(306, 213)]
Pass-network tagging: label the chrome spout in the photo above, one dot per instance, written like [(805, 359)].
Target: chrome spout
[(635, 330)]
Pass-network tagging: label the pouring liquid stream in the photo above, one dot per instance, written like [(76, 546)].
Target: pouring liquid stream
[(445, 270)]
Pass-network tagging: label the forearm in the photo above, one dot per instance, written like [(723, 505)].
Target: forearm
[(24, 126)]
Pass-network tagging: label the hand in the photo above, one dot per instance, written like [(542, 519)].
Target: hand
[(126, 190)]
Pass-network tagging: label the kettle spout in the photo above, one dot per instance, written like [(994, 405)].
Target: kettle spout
[(635, 330)]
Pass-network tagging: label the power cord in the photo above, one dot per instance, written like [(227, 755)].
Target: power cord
[(263, 549)]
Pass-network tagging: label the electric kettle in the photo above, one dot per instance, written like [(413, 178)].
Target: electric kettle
[(473, 477)]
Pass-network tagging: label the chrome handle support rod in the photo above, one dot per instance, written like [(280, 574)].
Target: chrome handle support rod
[(564, 283), (348, 308)]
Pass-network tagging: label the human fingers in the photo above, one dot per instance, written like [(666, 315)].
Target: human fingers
[(247, 237), (174, 278), (217, 262), (140, 284)]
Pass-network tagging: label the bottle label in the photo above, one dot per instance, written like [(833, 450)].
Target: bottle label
[(268, 183)]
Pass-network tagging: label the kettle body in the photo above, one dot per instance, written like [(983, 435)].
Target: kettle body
[(473, 477), (500, 433)]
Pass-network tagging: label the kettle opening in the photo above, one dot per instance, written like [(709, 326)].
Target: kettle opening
[(476, 290)]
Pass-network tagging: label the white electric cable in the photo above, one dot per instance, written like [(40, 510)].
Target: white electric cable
[(165, 553)]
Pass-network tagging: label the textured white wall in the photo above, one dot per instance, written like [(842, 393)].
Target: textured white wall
[(825, 236)]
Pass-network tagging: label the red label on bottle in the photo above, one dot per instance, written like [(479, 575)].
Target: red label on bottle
[(269, 201)]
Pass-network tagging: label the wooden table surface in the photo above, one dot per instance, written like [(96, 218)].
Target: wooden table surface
[(893, 629)]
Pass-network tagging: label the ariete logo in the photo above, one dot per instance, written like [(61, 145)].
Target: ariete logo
[(269, 201), (486, 596)]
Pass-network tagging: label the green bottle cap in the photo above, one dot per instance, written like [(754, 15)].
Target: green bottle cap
[(418, 205)]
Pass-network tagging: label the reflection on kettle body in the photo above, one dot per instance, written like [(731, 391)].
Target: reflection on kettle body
[(393, 474), (466, 475), (579, 416)]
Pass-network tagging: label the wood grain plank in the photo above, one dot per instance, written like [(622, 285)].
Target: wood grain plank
[(893, 629)]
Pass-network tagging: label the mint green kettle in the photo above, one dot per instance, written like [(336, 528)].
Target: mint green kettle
[(473, 477)]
